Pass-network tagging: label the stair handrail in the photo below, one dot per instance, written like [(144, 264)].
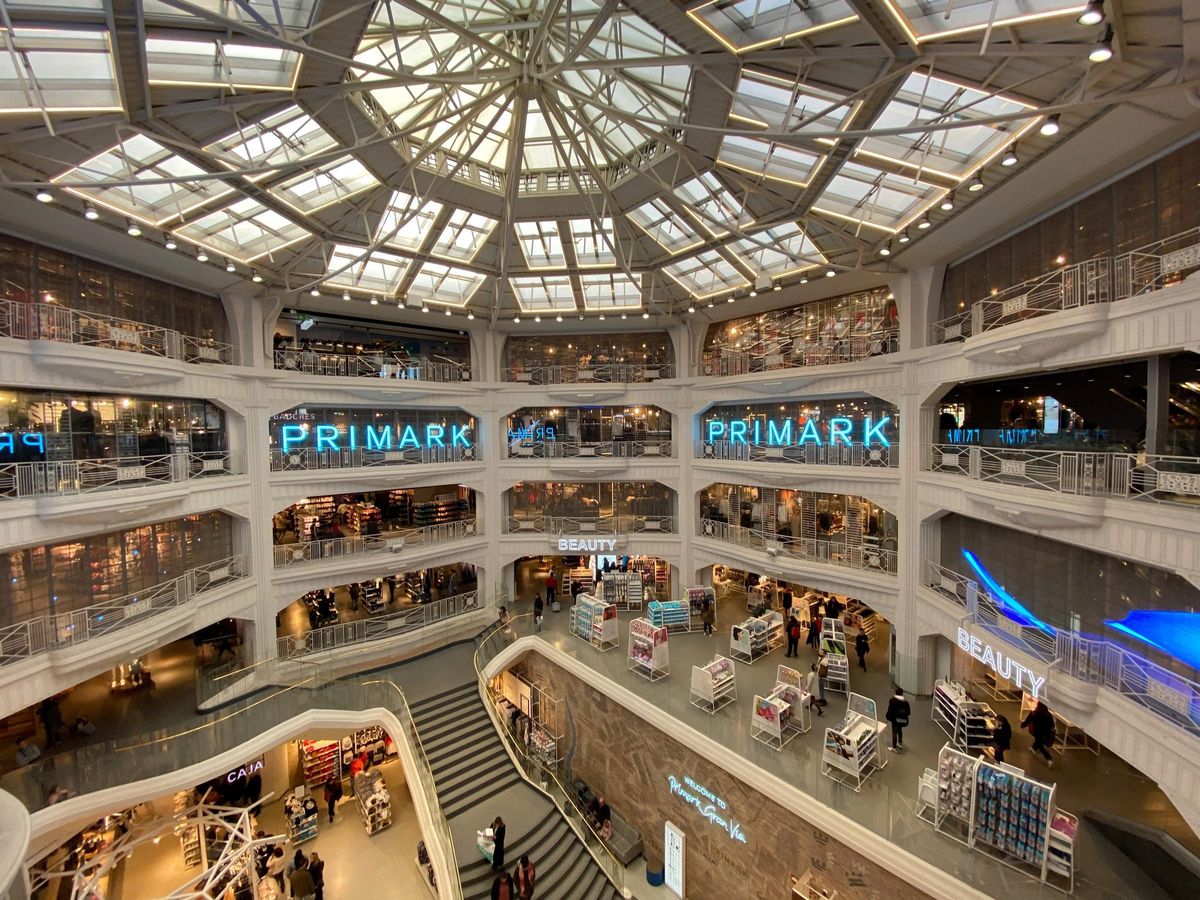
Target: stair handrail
[(531, 768)]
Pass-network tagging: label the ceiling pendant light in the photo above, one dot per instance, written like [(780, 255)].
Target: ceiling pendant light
[(89, 212), (448, 312), (1093, 15), (924, 223), (1049, 126), (778, 287), (829, 273), (1103, 51), (645, 315), (1009, 159), (169, 243), (256, 278), (516, 320), (132, 228), (537, 318), (470, 316), (345, 295), (753, 292), (601, 317), (947, 203), (976, 183), (624, 315), (885, 250), (804, 279), (201, 254), (315, 292), (904, 238), (229, 266), (581, 317), (691, 309), (710, 304), (44, 196), (374, 301), (558, 318)]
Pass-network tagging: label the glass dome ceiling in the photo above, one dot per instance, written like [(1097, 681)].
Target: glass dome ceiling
[(545, 155)]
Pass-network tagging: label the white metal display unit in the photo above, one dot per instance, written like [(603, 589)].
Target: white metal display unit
[(301, 814), (714, 685), (674, 615), (595, 622), (1067, 736), (833, 642), (756, 637), (374, 801), (997, 809), (781, 715), (622, 589), (648, 650), (969, 725), (320, 760), (851, 750), (541, 729), (859, 615), (696, 598)]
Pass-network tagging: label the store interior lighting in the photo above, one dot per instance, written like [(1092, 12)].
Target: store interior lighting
[(1103, 51), (976, 183), (1093, 14), (1050, 127), (89, 213), (1010, 157), (229, 266), (169, 243), (44, 196), (133, 229)]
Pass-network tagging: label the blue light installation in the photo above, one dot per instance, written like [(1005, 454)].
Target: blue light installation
[(1009, 605), (1174, 633)]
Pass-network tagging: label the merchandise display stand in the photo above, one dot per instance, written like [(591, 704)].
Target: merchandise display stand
[(1067, 736), (374, 801), (969, 725), (756, 637), (674, 615), (998, 810), (301, 812), (781, 715), (833, 642), (622, 589), (714, 685), (648, 650), (320, 759), (595, 621), (851, 750), (188, 834)]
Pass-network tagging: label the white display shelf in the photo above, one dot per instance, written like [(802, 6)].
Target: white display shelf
[(833, 642), (301, 823), (851, 748), (754, 638), (674, 615), (781, 715), (713, 686), (970, 725), (648, 648), (595, 621)]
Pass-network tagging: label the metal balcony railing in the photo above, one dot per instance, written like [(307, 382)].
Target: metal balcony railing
[(29, 638), (307, 458), (384, 542), (806, 454), (827, 552), (812, 347), (361, 631), (1104, 279), (19, 481), (50, 322), (608, 373), (371, 364), (576, 449), (1096, 661), (538, 523), (1126, 476)]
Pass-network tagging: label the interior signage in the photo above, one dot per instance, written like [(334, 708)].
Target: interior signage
[(1002, 664), (782, 434), (371, 437), (244, 772), (35, 439), (587, 545), (708, 805), (298, 415), (535, 432)]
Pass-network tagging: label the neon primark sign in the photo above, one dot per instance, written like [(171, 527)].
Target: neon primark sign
[(535, 432), (782, 434), (371, 437), (708, 805)]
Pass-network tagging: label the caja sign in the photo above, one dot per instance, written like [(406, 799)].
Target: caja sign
[(772, 433)]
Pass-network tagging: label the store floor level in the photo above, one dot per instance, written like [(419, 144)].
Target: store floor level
[(887, 803)]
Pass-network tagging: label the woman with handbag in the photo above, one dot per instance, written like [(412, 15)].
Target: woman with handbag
[(898, 712)]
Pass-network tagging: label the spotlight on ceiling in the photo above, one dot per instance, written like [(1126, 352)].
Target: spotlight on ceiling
[(924, 223), (581, 317), (256, 278), (516, 320), (307, 322), (976, 183), (645, 315), (601, 317), (201, 254), (374, 301), (904, 238), (1103, 51), (537, 318), (1049, 126), (885, 250), (947, 203), (777, 287), (691, 309), (448, 312), (730, 298), (229, 266), (132, 228), (829, 273), (345, 295), (315, 292), (89, 212), (470, 317), (804, 279), (753, 292), (558, 318), (44, 196), (169, 243), (1093, 15), (1009, 158), (624, 315)]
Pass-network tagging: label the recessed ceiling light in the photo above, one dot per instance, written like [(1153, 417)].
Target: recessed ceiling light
[(516, 320), (229, 266), (169, 243), (89, 213), (256, 278), (1049, 126), (691, 309), (448, 312), (1093, 15), (558, 318), (537, 318), (645, 315), (133, 229), (44, 196), (976, 183), (947, 203), (924, 223), (315, 292)]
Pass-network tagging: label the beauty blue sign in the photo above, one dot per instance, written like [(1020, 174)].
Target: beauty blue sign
[(372, 437), (708, 805), (842, 430)]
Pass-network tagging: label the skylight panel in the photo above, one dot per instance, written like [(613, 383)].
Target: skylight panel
[(594, 242), (447, 285), (544, 293), (768, 159), (60, 70), (874, 197), (247, 230), (136, 158), (666, 226), (706, 274), (333, 182), (714, 207), (284, 14), (218, 62), (406, 221), (287, 136), (610, 291), (463, 235), (377, 272), (743, 25), (541, 244), (778, 250), (778, 103), (924, 21)]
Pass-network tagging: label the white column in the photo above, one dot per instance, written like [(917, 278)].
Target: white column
[(908, 514), (917, 295)]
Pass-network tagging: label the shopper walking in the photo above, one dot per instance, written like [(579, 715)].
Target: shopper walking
[(538, 608), (51, 717), (551, 587), (862, 646), (276, 865), (794, 631), (526, 878), (814, 633), (812, 687), (502, 887), (898, 712), (316, 866), (1002, 738), (498, 853), (708, 615), (822, 674), (333, 793), (303, 886), (1040, 723)]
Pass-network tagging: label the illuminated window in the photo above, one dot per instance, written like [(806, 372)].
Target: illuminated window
[(594, 242), (463, 235), (286, 137), (447, 285), (354, 267), (219, 62), (406, 221), (610, 291), (665, 225), (246, 230), (706, 274)]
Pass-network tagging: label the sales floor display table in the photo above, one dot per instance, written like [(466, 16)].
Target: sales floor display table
[(969, 725), (756, 637), (851, 750), (714, 685), (783, 713), (648, 650), (595, 622), (997, 809), (301, 814)]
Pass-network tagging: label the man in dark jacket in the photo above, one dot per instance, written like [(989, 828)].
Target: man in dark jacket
[(861, 646), (1040, 723), (898, 712)]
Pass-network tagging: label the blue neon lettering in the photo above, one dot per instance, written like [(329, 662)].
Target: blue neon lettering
[(737, 432), (6, 443), (810, 435), (458, 436), (409, 438), (779, 437), (292, 434), (34, 439), (839, 429), (875, 432), (379, 438), (327, 437), (352, 434), (716, 429), (757, 432), (433, 436)]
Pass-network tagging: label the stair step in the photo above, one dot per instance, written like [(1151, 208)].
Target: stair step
[(494, 756), (429, 702), (564, 884), (472, 795), (452, 789), (452, 738), (448, 709), (433, 731), (480, 873), (597, 888)]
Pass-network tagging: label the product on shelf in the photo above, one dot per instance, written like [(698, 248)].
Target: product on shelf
[(622, 589), (674, 615), (713, 685), (374, 801), (320, 760), (851, 749), (595, 622), (781, 715), (648, 649), (187, 832), (756, 637), (833, 642), (301, 813), (968, 724)]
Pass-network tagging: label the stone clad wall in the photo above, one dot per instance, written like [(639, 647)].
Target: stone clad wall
[(619, 755)]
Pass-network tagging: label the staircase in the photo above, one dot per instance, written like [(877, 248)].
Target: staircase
[(470, 767)]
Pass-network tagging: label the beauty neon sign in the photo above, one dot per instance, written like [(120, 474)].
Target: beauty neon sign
[(842, 430), (708, 805), (373, 437)]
